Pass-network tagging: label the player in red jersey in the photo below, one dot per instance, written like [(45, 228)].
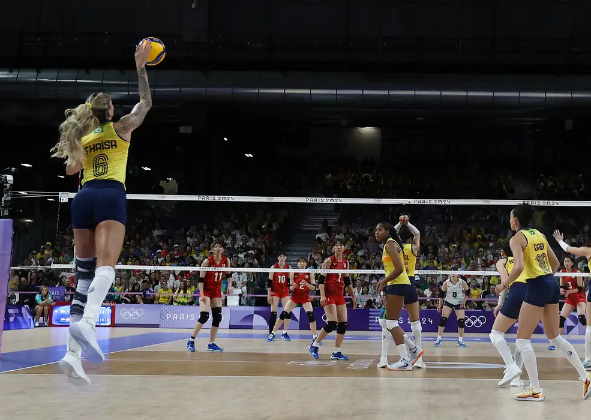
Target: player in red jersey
[(572, 289), (332, 297), (301, 286), (210, 296), (278, 289)]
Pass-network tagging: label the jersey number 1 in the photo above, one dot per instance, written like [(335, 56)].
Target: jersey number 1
[(100, 165)]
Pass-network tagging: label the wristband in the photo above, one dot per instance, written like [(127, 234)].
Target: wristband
[(563, 245)]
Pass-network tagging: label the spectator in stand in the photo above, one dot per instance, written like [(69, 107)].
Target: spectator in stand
[(184, 294), (164, 294), (44, 301)]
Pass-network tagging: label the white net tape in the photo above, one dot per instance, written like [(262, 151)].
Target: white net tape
[(281, 270), (64, 197)]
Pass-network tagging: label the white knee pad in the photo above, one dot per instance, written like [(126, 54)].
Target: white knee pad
[(496, 336), (523, 346), (558, 341), (382, 323), (391, 324)]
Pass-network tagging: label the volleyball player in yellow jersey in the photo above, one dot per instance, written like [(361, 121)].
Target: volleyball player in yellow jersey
[(93, 144), (398, 291), (506, 313), (580, 252), (536, 260), (406, 231)]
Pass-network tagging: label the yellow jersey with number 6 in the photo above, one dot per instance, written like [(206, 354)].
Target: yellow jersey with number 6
[(535, 255), (106, 155), (389, 265), (509, 264)]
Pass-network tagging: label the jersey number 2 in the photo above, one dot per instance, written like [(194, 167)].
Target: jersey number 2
[(100, 165)]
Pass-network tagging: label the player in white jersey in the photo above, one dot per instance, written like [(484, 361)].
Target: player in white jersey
[(455, 298)]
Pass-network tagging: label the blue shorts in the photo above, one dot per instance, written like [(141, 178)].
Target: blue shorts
[(408, 291), (542, 291), (452, 306), (512, 304), (97, 202)]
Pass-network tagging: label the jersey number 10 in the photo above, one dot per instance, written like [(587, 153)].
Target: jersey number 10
[(281, 279)]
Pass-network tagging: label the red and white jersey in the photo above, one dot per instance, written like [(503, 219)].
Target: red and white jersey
[(334, 284), (214, 278), (301, 290), (570, 282), (280, 280)]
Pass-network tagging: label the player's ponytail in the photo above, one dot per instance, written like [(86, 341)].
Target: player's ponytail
[(80, 121)]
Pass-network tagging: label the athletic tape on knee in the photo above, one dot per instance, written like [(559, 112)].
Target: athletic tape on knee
[(341, 328), (216, 317), (562, 321), (285, 315), (311, 317), (496, 336), (461, 323), (391, 324), (442, 321), (330, 326), (583, 320), (203, 317)]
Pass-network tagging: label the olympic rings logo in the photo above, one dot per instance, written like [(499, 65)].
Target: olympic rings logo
[(270, 198), (475, 321), (377, 200), (131, 313)]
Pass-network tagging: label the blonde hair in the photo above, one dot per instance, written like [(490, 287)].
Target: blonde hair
[(80, 122)]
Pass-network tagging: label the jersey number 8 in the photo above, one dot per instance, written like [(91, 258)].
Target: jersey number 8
[(100, 165), (455, 294)]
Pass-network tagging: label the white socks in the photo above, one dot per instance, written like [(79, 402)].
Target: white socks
[(417, 332), (497, 339), (588, 343), (103, 279), (529, 360), (72, 345), (385, 339), (403, 352), (518, 359), (570, 353)]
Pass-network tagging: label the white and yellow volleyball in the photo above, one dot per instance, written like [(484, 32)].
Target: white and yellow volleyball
[(157, 53)]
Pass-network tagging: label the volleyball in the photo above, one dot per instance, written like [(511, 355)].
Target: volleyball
[(157, 53)]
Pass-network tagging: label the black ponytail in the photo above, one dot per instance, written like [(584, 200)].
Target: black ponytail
[(524, 213)]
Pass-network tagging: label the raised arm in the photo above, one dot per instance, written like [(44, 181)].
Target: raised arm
[(580, 252), (126, 125)]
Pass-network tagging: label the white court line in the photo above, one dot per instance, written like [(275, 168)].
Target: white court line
[(111, 352), (356, 378)]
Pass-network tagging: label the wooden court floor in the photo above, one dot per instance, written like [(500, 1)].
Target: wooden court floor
[(154, 377)]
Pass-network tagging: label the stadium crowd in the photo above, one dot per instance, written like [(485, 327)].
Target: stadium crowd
[(250, 240)]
